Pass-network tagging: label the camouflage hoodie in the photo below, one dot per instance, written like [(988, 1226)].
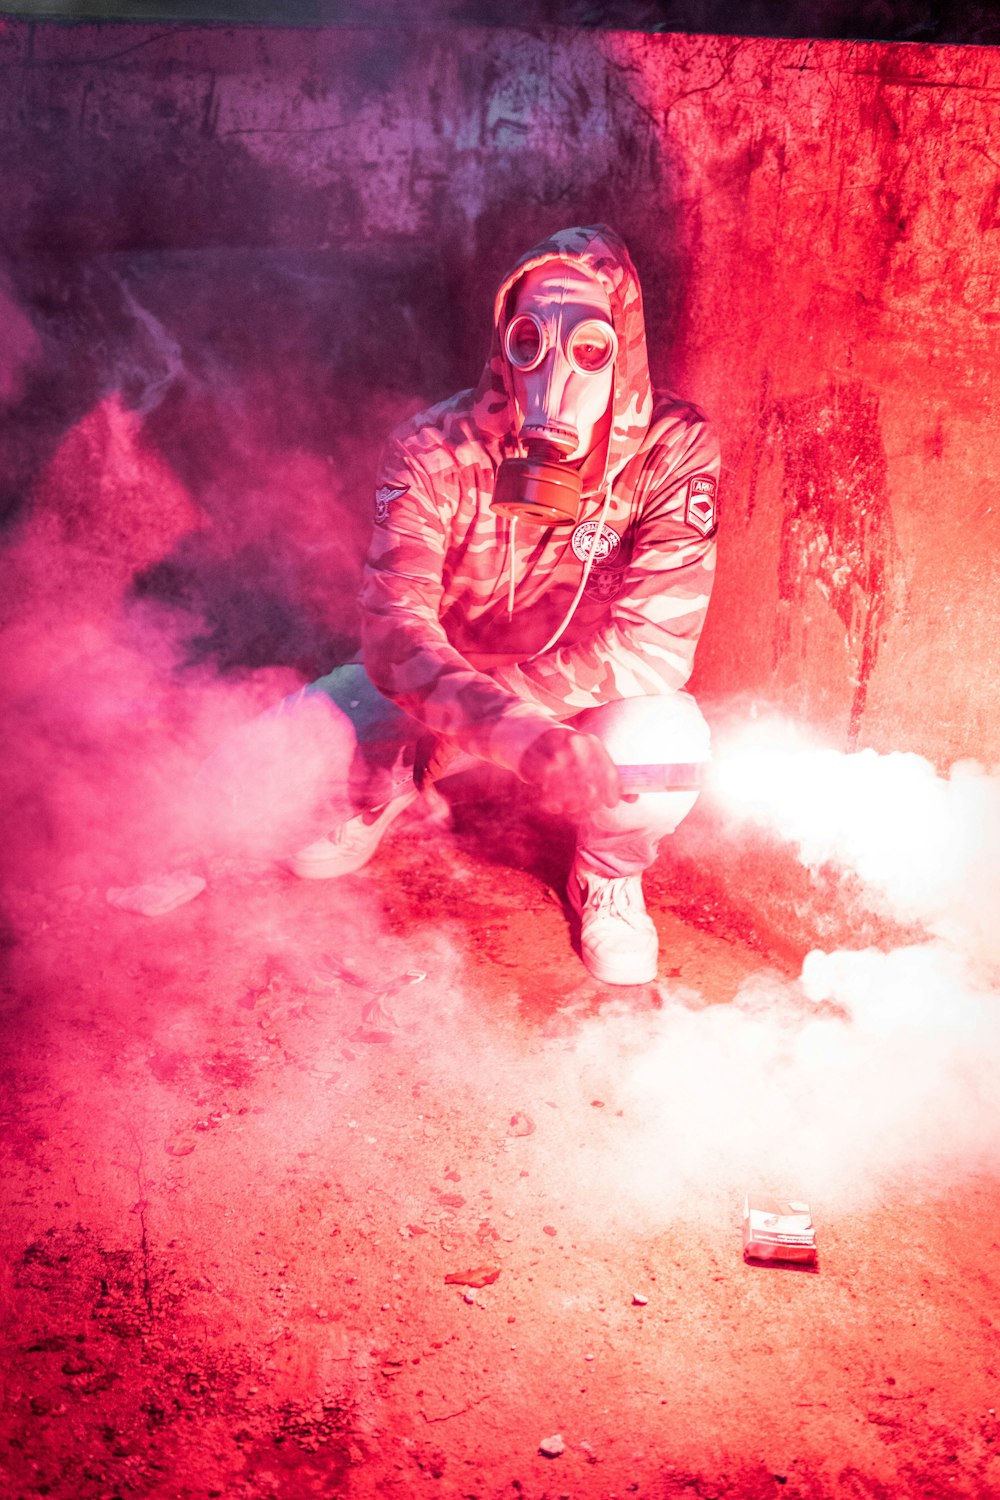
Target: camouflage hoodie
[(437, 636)]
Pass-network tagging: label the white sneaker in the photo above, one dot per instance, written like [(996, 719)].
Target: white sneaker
[(350, 845), (618, 941)]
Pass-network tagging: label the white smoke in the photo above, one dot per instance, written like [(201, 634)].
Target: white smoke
[(871, 1071), (927, 846)]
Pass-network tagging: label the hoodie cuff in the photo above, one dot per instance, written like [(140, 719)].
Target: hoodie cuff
[(513, 735)]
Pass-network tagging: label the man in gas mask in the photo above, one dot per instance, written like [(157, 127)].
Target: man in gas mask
[(539, 571)]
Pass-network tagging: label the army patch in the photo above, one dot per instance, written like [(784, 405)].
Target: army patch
[(582, 542), (384, 496), (699, 508)]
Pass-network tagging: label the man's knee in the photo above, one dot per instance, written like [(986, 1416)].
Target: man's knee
[(383, 735), (669, 730), (665, 734)]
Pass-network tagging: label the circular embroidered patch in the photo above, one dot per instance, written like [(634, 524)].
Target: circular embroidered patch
[(582, 542)]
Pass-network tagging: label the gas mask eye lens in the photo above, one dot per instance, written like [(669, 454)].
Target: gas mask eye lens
[(524, 341), (592, 346)]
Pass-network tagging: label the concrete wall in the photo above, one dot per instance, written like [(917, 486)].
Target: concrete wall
[(844, 324), (234, 258)]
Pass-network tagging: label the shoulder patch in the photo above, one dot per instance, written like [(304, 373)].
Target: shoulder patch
[(384, 496), (700, 506)]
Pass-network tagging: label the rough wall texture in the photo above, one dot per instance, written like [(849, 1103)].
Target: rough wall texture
[(232, 259), (847, 244)]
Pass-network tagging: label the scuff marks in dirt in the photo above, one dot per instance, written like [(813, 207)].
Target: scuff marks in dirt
[(837, 531), (25, 1116), (114, 1388)]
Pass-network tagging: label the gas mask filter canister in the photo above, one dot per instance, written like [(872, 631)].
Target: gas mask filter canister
[(562, 357)]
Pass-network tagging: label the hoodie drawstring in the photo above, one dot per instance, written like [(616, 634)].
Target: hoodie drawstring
[(511, 542), (591, 555)]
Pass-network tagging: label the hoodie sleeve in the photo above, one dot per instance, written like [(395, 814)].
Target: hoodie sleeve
[(647, 645), (406, 652)]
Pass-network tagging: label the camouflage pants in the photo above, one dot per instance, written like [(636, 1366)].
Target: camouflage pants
[(622, 840)]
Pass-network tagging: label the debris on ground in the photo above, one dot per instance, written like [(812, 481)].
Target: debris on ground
[(179, 1145), (376, 1011), (368, 1034), (478, 1276), (521, 1124), (154, 898), (376, 1015), (552, 1447), (331, 970)]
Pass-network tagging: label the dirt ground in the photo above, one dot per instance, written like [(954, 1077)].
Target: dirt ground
[(271, 1230)]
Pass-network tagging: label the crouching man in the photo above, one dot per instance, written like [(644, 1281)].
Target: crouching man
[(540, 566)]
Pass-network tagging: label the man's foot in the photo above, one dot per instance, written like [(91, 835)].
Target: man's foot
[(350, 845), (618, 941)]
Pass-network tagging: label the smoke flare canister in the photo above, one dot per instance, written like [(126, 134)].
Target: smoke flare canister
[(774, 1229), (662, 778)]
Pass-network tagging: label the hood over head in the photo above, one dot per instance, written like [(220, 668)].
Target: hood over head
[(600, 251)]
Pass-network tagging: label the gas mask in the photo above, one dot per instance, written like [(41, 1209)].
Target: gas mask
[(561, 347)]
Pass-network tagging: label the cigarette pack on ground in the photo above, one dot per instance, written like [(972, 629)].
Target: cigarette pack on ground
[(774, 1229)]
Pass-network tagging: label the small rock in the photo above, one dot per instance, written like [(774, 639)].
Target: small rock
[(179, 1145), (477, 1276), (551, 1447), (549, 1229), (638, 1300), (521, 1124)]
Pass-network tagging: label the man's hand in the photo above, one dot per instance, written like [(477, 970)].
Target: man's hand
[(572, 771), (431, 759)]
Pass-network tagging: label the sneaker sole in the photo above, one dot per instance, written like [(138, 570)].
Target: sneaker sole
[(317, 867), (641, 974)]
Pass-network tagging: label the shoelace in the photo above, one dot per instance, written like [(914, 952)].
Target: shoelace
[(615, 895)]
